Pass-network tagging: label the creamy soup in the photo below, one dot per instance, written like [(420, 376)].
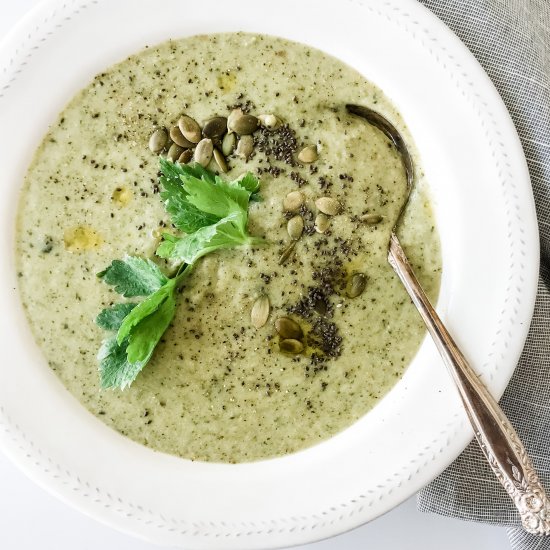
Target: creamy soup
[(217, 387)]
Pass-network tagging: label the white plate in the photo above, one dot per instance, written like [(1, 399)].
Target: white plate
[(485, 210)]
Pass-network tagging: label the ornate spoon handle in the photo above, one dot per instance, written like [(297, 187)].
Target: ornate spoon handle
[(496, 436)]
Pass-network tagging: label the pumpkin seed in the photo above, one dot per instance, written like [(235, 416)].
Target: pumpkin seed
[(371, 219), (190, 129), (158, 140), (228, 144), (357, 284), (293, 201), (245, 147), (271, 122), (308, 154), (291, 346), (186, 156), (203, 152), (177, 137), (234, 115), (328, 206), (295, 227), (322, 223), (244, 125), (260, 311), (287, 252), (215, 127), (220, 161), (288, 328), (174, 152)]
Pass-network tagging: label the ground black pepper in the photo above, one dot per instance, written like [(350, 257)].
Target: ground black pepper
[(246, 106), (324, 183), (279, 144), (295, 177), (275, 171), (317, 308)]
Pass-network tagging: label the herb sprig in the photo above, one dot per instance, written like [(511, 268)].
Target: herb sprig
[(213, 214)]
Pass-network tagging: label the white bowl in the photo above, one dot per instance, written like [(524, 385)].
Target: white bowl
[(485, 211)]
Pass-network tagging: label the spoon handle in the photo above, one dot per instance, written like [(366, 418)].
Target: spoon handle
[(496, 436)]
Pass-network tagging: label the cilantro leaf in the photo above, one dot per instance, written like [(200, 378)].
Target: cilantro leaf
[(111, 318), (192, 170), (214, 214), (122, 357), (220, 199), (166, 247), (133, 276), (249, 182), (185, 216), (226, 201), (196, 198), (114, 369), (227, 233), (144, 309), (147, 333)]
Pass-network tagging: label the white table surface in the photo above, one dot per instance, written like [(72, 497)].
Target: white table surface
[(32, 519)]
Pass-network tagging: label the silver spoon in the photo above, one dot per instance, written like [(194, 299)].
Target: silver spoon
[(496, 436)]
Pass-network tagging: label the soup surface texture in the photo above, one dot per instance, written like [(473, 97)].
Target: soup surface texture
[(217, 388)]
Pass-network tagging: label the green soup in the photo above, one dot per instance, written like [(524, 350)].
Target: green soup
[(217, 388)]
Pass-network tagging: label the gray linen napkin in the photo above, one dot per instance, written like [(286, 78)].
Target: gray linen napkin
[(511, 40)]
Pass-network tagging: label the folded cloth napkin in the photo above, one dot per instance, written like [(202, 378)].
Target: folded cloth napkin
[(511, 40)]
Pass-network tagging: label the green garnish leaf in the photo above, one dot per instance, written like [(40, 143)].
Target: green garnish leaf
[(133, 276), (166, 247), (175, 170), (218, 199), (114, 369), (185, 216), (146, 334), (111, 318), (249, 182), (214, 214), (227, 233), (226, 201), (122, 357), (197, 198), (144, 309)]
